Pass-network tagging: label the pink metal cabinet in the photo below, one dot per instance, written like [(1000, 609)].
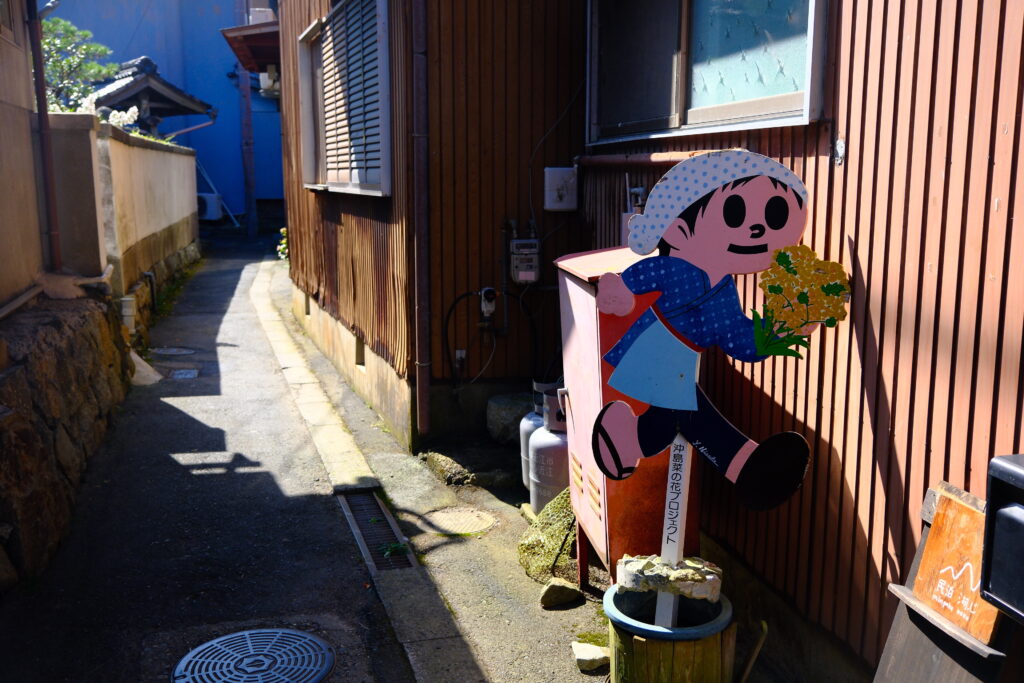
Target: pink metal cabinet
[(617, 516)]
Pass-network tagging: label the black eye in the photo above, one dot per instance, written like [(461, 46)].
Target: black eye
[(734, 211), (776, 212)]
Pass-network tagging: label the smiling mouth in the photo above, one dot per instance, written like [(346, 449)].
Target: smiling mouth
[(752, 249)]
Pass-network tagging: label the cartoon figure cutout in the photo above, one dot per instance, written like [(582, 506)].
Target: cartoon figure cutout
[(709, 217)]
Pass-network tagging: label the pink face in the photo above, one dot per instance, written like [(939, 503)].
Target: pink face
[(740, 228)]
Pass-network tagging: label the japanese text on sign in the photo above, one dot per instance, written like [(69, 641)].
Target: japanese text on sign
[(675, 492)]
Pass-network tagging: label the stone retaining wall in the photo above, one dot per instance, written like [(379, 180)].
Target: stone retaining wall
[(64, 368)]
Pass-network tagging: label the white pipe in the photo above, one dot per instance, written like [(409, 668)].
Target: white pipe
[(190, 129), (20, 301)]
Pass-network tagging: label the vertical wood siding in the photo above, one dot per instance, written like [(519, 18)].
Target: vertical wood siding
[(351, 253), (923, 381), (501, 75)]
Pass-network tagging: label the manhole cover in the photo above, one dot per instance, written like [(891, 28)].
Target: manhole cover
[(454, 521), (259, 656), (184, 373), (172, 351)]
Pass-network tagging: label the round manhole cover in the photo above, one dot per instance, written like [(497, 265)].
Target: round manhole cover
[(455, 521), (256, 657)]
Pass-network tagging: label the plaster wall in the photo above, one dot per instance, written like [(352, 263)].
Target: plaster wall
[(183, 38), (152, 197), (21, 252), (20, 229), (121, 199), (78, 192)]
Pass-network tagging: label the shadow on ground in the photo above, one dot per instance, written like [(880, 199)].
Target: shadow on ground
[(207, 511)]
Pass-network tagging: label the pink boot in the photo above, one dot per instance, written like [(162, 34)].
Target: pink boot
[(615, 443)]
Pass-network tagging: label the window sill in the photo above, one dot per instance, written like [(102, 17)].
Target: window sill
[(726, 126), (345, 189)]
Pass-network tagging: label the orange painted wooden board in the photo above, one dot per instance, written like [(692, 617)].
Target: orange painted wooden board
[(949, 576)]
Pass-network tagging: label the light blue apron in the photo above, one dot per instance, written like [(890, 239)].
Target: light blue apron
[(659, 369)]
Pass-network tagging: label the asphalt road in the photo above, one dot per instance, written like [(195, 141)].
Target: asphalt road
[(208, 511)]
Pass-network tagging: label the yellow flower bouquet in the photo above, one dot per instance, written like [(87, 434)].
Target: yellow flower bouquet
[(800, 290)]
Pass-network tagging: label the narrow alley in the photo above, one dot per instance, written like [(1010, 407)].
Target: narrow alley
[(207, 511), (211, 510)]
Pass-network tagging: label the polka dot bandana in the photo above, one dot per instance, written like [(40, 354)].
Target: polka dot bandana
[(689, 180)]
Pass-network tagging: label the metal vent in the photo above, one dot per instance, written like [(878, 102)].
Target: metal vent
[(260, 656), (376, 532)]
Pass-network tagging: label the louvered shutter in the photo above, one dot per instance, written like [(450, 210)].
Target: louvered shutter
[(355, 97)]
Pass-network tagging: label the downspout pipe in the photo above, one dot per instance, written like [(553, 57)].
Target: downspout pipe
[(213, 119), (421, 213), (637, 159), (35, 39)]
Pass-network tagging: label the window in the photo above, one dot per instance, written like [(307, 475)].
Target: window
[(677, 67), (344, 100), (6, 19)]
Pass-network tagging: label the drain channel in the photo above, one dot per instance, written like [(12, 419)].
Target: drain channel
[(376, 532), (259, 656)]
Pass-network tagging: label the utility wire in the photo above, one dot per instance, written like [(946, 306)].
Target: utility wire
[(529, 164), (138, 24)]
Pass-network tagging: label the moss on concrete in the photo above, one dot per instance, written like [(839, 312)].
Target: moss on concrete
[(169, 293), (544, 550), (599, 638)]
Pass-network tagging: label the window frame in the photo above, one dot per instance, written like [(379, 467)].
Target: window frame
[(312, 111), (752, 114), (9, 32)]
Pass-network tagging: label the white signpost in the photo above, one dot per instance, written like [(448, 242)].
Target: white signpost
[(673, 530)]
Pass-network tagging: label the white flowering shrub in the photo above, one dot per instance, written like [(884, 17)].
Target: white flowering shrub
[(87, 105), (116, 118), (282, 246), (123, 118)]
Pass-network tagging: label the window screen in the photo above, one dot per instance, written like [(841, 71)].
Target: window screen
[(355, 78), (742, 50)]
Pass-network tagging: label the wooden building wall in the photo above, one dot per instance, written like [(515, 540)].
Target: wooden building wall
[(353, 253), (923, 381), (502, 76)]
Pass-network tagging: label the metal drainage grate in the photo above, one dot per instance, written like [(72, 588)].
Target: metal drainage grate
[(376, 532), (172, 351), (184, 373), (260, 656)]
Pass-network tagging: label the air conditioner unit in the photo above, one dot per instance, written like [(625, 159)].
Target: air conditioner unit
[(261, 15), (209, 206), (270, 83)]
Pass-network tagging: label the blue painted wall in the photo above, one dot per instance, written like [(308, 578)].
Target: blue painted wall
[(183, 38)]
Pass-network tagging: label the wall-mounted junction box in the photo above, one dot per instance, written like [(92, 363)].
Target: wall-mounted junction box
[(560, 189)]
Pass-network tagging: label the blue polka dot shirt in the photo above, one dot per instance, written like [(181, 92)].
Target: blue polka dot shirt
[(705, 315)]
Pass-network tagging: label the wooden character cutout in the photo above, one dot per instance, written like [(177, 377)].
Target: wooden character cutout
[(709, 217)]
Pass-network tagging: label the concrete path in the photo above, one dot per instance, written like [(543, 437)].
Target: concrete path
[(470, 613), (207, 512)]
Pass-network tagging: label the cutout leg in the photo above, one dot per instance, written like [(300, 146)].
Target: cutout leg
[(614, 441), (657, 428), (765, 475), (711, 435)]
